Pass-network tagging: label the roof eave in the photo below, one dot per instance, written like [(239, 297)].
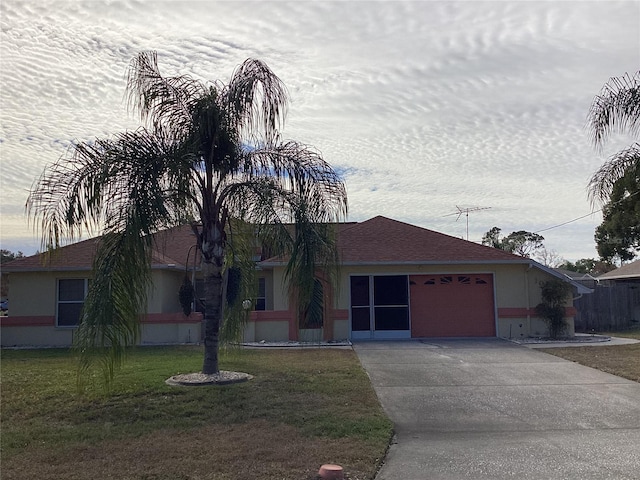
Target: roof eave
[(580, 289), (524, 261), (169, 266), (620, 277)]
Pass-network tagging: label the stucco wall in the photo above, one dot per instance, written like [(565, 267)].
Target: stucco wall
[(279, 291), (517, 292), (34, 293), (170, 333), (32, 320), (163, 295), (49, 336), (271, 331)]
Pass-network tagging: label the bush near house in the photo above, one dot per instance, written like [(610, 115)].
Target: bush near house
[(552, 308)]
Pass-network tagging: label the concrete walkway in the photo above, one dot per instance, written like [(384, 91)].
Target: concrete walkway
[(490, 409), (612, 341)]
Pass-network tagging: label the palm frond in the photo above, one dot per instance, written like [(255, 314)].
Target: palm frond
[(257, 101), (302, 170), (134, 171), (241, 260), (620, 164), (616, 108), (130, 186), (117, 297), (166, 102)]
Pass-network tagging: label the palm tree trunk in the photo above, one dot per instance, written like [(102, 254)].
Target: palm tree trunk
[(213, 288)]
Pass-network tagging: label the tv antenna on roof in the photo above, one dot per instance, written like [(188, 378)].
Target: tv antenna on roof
[(465, 211)]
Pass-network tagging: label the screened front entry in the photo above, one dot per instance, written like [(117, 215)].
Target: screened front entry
[(380, 306)]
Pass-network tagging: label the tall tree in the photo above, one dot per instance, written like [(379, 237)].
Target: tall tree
[(208, 151), (618, 236), (615, 109), (521, 243)]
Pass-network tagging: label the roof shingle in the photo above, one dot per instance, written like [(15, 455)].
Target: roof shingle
[(377, 240), (383, 240), (172, 246)]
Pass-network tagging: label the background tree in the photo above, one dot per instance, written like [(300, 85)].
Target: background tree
[(588, 265), (521, 243), (210, 152), (617, 109), (549, 258), (618, 237), (7, 256), (493, 238)]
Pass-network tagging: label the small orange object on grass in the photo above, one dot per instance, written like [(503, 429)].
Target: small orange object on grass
[(331, 472)]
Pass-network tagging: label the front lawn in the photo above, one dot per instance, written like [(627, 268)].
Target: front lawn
[(620, 360), (303, 408)]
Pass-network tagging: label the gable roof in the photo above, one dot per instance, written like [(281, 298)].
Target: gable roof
[(377, 241), (172, 246), (628, 271), (383, 240)]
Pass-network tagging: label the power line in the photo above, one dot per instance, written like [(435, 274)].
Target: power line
[(590, 213), (570, 221)]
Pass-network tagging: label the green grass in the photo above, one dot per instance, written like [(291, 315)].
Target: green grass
[(303, 408)]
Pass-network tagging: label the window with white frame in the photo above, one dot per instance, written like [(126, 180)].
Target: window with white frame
[(261, 298), (71, 295)]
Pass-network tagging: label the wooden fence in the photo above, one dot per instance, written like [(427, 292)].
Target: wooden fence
[(611, 307)]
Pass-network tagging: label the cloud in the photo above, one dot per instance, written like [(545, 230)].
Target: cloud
[(421, 105)]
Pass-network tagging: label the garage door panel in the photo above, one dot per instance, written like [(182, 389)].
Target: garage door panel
[(452, 305)]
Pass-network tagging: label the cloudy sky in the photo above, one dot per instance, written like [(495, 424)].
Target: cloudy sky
[(423, 106)]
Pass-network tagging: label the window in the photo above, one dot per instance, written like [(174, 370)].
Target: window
[(261, 298), (71, 294), (381, 298), (391, 302), (360, 316)]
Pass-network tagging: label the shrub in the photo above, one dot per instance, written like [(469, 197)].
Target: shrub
[(554, 293)]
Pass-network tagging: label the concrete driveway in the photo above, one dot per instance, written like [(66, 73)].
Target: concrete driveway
[(490, 409)]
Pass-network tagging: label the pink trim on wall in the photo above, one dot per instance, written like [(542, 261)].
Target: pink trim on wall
[(179, 317), (29, 321), (342, 314), (517, 312)]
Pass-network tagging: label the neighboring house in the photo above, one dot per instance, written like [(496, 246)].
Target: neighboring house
[(585, 279), (396, 281), (629, 273)]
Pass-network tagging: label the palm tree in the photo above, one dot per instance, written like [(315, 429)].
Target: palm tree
[(210, 152), (615, 109)]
